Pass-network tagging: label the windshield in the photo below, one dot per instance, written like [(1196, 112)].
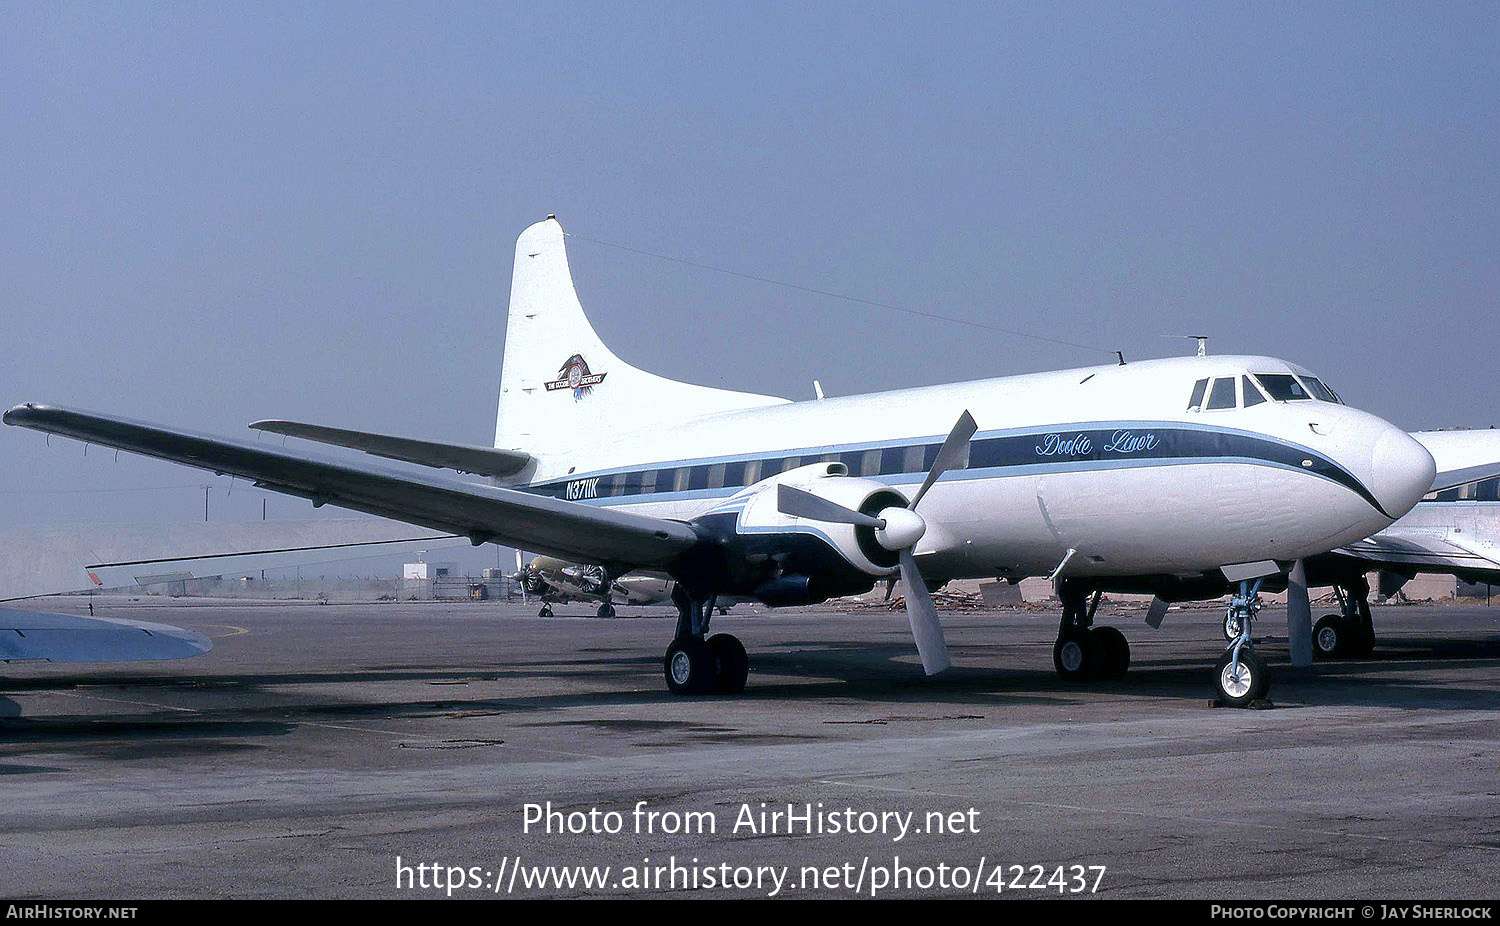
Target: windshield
[(1283, 387), (1319, 391)]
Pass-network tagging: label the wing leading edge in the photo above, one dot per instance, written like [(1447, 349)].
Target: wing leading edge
[(482, 513)]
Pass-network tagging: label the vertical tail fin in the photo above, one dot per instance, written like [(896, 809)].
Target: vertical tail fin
[(560, 386)]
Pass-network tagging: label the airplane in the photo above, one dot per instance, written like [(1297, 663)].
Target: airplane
[(1454, 530), (556, 581), (1183, 477)]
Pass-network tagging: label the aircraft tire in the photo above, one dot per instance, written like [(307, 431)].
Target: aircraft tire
[(605, 610), (1072, 655), (734, 664), (545, 612), (690, 667), (1111, 653), (1250, 682), (1331, 637)]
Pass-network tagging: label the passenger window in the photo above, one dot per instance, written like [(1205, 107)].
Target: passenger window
[(1253, 395), (1199, 388), (912, 461), (1283, 387), (1222, 395)]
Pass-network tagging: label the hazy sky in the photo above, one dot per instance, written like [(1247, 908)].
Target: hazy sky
[(209, 216)]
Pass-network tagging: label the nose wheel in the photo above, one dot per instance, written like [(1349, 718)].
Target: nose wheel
[(1242, 679)]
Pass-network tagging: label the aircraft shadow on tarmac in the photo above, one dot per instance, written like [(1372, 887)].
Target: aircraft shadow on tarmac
[(793, 671)]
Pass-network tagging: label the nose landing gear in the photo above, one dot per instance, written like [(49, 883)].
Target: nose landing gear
[(1240, 676)]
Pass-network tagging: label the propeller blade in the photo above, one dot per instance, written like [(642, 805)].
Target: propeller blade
[(948, 454), (922, 614), (799, 504)]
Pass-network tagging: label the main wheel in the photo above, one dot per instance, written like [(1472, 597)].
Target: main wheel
[(690, 667), (1331, 637), (545, 612), (1243, 681), (606, 610), (1072, 655), (1111, 652), (734, 665)]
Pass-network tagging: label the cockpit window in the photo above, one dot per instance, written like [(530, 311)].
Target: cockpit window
[(1283, 387), (1252, 394), (1319, 391), (1199, 388), (1222, 395)]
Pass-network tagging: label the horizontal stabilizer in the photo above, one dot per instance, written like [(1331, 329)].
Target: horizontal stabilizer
[(68, 638), (481, 461)]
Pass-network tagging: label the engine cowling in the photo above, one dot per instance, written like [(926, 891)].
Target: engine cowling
[(787, 560)]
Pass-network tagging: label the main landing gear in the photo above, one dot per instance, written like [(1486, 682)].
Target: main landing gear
[(1083, 651), (696, 663), (1351, 632), (1240, 675)]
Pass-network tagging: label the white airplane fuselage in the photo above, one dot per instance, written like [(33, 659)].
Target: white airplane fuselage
[(1106, 461)]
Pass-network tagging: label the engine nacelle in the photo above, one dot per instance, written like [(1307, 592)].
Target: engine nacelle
[(786, 560), (857, 545)]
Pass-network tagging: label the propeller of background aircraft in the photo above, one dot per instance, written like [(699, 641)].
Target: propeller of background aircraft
[(897, 529)]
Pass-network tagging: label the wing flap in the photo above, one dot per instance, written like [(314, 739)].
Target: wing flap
[(482, 513)]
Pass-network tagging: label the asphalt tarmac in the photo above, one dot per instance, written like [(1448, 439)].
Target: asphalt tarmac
[(398, 750)]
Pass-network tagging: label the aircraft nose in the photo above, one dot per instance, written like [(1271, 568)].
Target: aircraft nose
[(1401, 471)]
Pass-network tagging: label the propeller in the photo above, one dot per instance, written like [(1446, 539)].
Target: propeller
[(897, 529)]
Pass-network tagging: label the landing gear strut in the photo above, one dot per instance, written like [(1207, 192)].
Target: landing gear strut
[(696, 663), (1351, 632), (1240, 676), (1082, 650)]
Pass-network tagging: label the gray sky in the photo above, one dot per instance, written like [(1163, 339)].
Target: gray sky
[(212, 216)]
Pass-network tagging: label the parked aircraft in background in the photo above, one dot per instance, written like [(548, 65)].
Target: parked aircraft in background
[(554, 581), (1183, 477)]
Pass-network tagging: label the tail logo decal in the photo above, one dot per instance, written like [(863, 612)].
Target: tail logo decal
[(575, 375)]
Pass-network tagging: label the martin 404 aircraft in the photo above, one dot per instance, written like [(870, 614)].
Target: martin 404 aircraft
[(1184, 477)]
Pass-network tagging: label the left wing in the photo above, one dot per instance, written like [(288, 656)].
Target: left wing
[(482, 513), (34, 635)]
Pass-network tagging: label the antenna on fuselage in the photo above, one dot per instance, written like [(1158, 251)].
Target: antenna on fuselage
[(1202, 340)]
